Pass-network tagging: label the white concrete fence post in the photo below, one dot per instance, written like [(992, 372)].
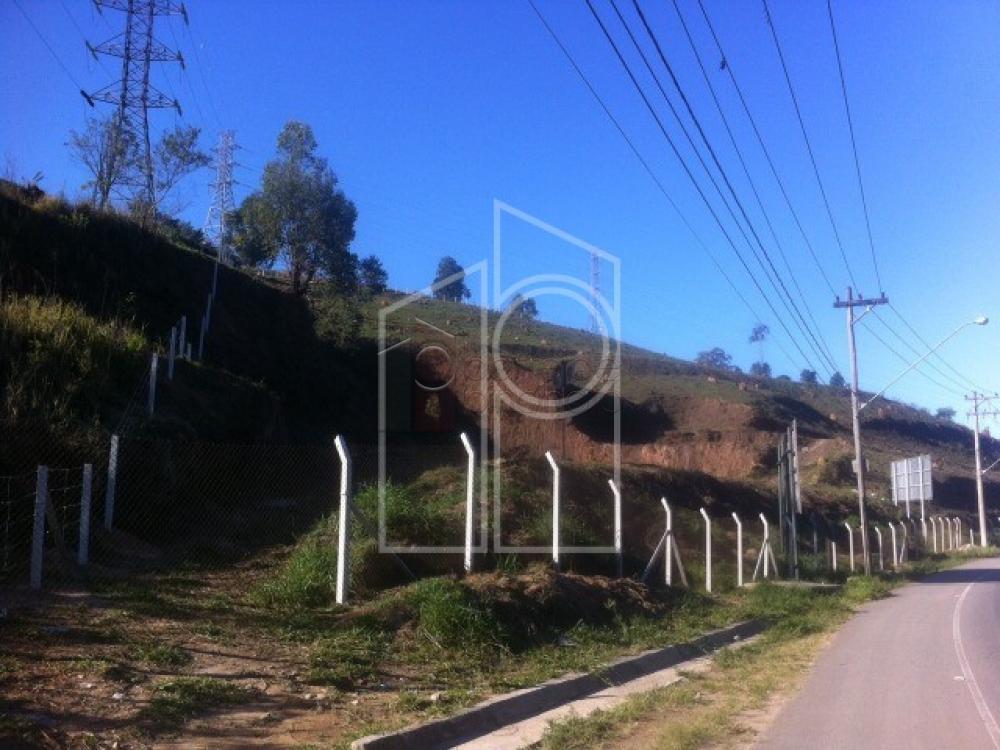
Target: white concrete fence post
[(767, 543), (109, 490), (668, 549), (183, 336), (708, 550), (38, 530), (904, 553), (878, 534), (671, 554), (555, 507), (83, 546), (171, 353), (833, 554), (617, 495), (470, 488), (766, 556), (949, 530), (739, 551), (343, 522), (153, 366), (895, 555), (923, 529), (187, 354), (850, 543), (958, 532)]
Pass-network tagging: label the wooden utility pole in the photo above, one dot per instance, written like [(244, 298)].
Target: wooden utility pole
[(978, 399), (850, 303)]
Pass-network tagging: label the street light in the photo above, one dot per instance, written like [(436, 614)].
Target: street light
[(980, 321), (856, 408)]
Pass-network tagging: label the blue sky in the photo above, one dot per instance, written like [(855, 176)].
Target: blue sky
[(429, 111)]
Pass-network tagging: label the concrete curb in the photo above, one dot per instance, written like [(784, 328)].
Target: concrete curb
[(522, 704)]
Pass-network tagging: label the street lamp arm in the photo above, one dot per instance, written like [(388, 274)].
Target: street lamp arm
[(929, 352), (990, 466)]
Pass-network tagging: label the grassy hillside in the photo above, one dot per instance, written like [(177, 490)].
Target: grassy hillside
[(89, 295), (114, 271)]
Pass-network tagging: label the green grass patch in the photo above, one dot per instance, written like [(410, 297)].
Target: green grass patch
[(346, 658), (160, 654), (176, 701)]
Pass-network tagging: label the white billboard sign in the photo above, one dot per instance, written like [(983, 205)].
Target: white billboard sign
[(911, 482)]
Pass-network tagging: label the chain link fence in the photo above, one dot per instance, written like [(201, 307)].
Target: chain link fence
[(148, 504)]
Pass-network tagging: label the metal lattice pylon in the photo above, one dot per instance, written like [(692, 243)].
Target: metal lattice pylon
[(222, 194), (134, 94)]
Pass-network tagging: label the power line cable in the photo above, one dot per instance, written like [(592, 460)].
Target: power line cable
[(201, 75), (854, 144), (888, 346), (725, 64), (749, 177), (52, 52), (776, 281), (809, 148), (917, 352), (937, 355), (79, 29), (645, 164), (694, 181), (187, 77)]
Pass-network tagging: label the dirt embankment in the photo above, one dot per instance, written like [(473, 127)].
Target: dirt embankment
[(707, 434)]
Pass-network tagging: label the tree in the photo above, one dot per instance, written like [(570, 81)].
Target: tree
[(758, 336), (455, 290), (945, 412), (760, 370), (106, 154), (715, 358), (809, 377), (183, 233), (372, 275), (175, 156), (523, 308), (299, 217), (837, 380)]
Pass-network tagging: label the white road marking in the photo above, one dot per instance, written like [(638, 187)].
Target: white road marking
[(970, 679)]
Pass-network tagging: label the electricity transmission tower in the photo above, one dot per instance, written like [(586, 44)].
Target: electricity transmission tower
[(133, 94), (222, 194)]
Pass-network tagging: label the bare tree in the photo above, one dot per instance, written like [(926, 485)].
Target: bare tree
[(107, 155)]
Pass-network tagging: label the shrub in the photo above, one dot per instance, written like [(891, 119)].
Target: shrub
[(452, 616), (308, 577)]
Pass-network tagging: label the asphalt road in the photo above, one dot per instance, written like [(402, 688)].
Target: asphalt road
[(920, 669)]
